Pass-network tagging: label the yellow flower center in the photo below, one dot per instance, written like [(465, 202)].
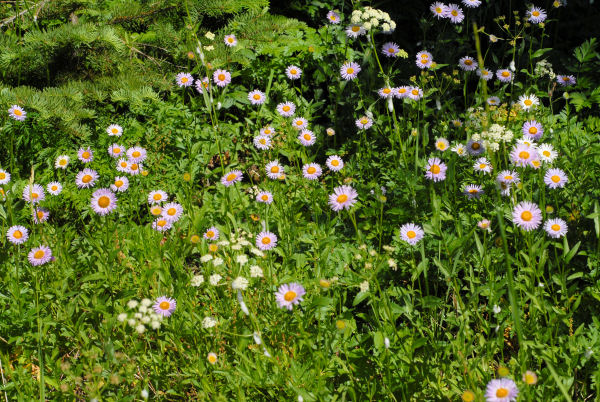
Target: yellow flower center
[(267, 131), (275, 169), (39, 254), (349, 70), (293, 71), (340, 324), (62, 162), (164, 305), (172, 211), (231, 177), (535, 13), (415, 92), (546, 153), (311, 170), (157, 197), (115, 130), (103, 201), (156, 211), (473, 191), (86, 179), (136, 154), (364, 120), (438, 10), (342, 198), (266, 240), (264, 197), (289, 295), (535, 163), (424, 60), (307, 137), (213, 248), (184, 80), (468, 396), (299, 122), (221, 77), (435, 169), (256, 96), (528, 102), (262, 141), (355, 28), (524, 155), (161, 223), (556, 228), (505, 74), (123, 164), (441, 145), (212, 359), (85, 155), (391, 50), (40, 214), (411, 234), (565, 78), (54, 188), (210, 234), (508, 177), (501, 393), (401, 90), (34, 195), (17, 112), (324, 283), (230, 40), (386, 90), (335, 162), (526, 216), (195, 239), (17, 234), (533, 130), (475, 146), (482, 166), (133, 166), (468, 62), (555, 178), (454, 13)]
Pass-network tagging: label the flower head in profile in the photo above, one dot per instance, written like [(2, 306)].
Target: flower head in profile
[(293, 72), (473, 191), (501, 390), (555, 178), (256, 97), (411, 233), (201, 84), (62, 162), (164, 306), (86, 178), (307, 138), (390, 49), (286, 109), (184, 79), (527, 216), (114, 130), (54, 188), (349, 70), (343, 197), (566, 80), (536, 15), (230, 40), (435, 169), (33, 193), (17, 234), (333, 17), (221, 78), (266, 240), (471, 3), (4, 177), (508, 177), (231, 178), (86, 155), (289, 294), (103, 201), (17, 112), (39, 255), (311, 171), (493, 101)]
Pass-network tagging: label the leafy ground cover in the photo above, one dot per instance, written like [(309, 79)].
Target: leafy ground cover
[(204, 201)]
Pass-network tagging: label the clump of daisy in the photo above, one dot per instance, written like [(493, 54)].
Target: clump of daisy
[(212, 357), (527, 216), (114, 130), (202, 84), (116, 150), (482, 165), (136, 154), (289, 295), (343, 197), (172, 212), (501, 390), (364, 123), (473, 191), (523, 155), (221, 78), (39, 255), (293, 72), (533, 129), (415, 93), (424, 59), (300, 123), (256, 97), (485, 74), (435, 170), (184, 79), (17, 113), (411, 233), (493, 101), (530, 378)]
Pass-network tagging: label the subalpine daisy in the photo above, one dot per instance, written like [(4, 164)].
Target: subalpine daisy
[(136, 154), (441, 144), (262, 142), (533, 128), (54, 188), (86, 155), (475, 148), (354, 31), (343, 197), (172, 211), (522, 155), (501, 390), (508, 177), (33, 193), (286, 109), (555, 178), (493, 101), (157, 196), (364, 123), (423, 63), (401, 92), (390, 49), (334, 163), (264, 197), (482, 165), (120, 185), (471, 3), (307, 138), (134, 168), (536, 15), (504, 75), (527, 215), (415, 93), (438, 9), (86, 178), (221, 78), (164, 306), (293, 72), (161, 224), (333, 17), (385, 92), (17, 112), (468, 63), (62, 162), (230, 40), (201, 85), (556, 228), (274, 170), (435, 169), (232, 177), (529, 377), (266, 240), (528, 101), (566, 80), (411, 233), (123, 165), (311, 171), (17, 234), (267, 130), (473, 191), (211, 358), (4, 177), (39, 255), (184, 79), (349, 70), (156, 210), (212, 234), (547, 153), (104, 201), (40, 215), (484, 224), (289, 294), (460, 150), (455, 13), (116, 150), (256, 97), (485, 74), (114, 130), (299, 123)]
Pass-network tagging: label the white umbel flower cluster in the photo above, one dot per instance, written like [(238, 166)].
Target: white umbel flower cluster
[(494, 136), (371, 18)]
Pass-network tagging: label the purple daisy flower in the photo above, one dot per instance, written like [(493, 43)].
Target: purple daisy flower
[(265, 197), (39, 255), (86, 155), (104, 201), (556, 228), (566, 80), (534, 129), (231, 178), (527, 216), (17, 113), (164, 306), (136, 154), (501, 390), (307, 138), (34, 193), (286, 109), (266, 240), (311, 171), (86, 178), (435, 169), (256, 97), (184, 79), (221, 78), (172, 212), (349, 70), (212, 233), (17, 234), (390, 49), (343, 197), (555, 178), (411, 233), (289, 294)]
